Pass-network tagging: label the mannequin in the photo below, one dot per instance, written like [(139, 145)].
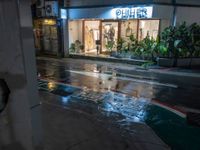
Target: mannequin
[(89, 38), (128, 30)]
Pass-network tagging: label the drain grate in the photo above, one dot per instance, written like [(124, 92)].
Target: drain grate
[(193, 119)]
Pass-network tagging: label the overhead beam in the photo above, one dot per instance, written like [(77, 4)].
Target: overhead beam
[(124, 5)]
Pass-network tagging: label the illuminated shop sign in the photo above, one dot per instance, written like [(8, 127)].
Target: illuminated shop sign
[(132, 12)]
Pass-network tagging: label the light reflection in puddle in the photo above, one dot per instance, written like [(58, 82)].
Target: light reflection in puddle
[(134, 109), (131, 107), (51, 85), (65, 99)]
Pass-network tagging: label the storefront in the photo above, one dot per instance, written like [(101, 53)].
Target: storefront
[(46, 36), (47, 27), (100, 32)]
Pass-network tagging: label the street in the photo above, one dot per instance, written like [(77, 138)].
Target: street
[(125, 95)]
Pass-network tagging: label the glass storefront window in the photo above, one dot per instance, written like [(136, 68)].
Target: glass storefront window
[(91, 35), (148, 27), (109, 36), (76, 36), (129, 28)]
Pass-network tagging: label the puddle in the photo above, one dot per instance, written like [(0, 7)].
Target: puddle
[(170, 127)]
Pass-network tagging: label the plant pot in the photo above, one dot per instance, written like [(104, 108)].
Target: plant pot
[(195, 62), (113, 53), (60, 55), (165, 62), (181, 62)]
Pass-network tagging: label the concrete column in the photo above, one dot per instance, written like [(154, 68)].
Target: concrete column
[(21, 125), (173, 22), (65, 27)]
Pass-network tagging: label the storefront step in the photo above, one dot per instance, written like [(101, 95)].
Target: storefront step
[(110, 59)]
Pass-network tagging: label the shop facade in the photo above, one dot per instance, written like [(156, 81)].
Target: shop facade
[(98, 31), (46, 35), (69, 28), (47, 27)]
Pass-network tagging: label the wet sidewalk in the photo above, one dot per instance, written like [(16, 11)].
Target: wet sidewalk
[(125, 118), (107, 58), (195, 72), (159, 101), (76, 126)]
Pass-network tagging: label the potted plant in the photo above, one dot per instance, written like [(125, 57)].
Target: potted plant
[(72, 48), (194, 45), (76, 47), (182, 43), (109, 47)]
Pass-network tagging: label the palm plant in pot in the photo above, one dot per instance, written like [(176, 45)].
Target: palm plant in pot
[(76, 47), (109, 46), (188, 41), (182, 42), (169, 36), (120, 47), (194, 44), (148, 48)]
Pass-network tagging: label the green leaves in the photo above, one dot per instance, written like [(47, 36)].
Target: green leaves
[(76, 47), (182, 41), (110, 45), (175, 42)]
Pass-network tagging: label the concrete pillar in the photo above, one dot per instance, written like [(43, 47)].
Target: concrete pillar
[(65, 27), (173, 22), (20, 124)]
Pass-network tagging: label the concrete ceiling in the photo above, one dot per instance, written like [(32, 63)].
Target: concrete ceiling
[(124, 2)]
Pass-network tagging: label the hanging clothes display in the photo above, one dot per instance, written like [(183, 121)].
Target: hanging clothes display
[(89, 39)]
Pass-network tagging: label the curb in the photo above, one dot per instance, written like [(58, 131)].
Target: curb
[(110, 59)]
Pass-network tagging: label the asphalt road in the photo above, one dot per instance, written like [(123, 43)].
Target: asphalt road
[(175, 89)]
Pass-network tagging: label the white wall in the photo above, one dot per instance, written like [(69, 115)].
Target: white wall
[(162, 12), (103, 12), (75, 31), (124, 2), (165, 13), (195, 2), (188, 14), (106, 2)]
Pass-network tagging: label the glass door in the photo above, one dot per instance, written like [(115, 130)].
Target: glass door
[(50, 39), (50, 36)]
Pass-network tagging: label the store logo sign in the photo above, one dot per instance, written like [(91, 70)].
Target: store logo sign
[(132, 12)]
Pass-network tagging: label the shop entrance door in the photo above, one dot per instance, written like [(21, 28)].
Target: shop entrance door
[(109, 36), (50, 39)]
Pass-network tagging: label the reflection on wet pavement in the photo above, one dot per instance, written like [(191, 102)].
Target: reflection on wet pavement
[(99, 88), (126, 109), (109, 77)]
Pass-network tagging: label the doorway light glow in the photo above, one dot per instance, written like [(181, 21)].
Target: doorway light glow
[(63, 13)]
